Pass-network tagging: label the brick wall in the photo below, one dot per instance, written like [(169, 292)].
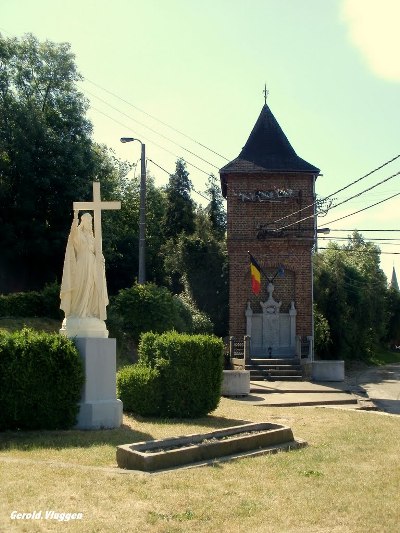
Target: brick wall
[(292, 248)]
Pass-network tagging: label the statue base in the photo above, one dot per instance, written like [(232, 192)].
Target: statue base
[(99, 407), (74, 327)]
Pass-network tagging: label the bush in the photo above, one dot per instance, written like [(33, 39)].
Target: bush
[(41, 377), (322, 334), (144, 308), (32, 304), (200, 322), (138, 386), (185, 369)]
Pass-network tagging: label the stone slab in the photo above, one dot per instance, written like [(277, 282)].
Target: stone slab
[(328, 370), (167, 453)]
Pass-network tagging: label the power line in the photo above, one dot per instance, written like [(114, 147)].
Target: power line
[(346, 239), (340, 190), (147, 139), (169, 173), (366, 190), (155, 118), (362, 251), (364, 209), (347, 200), (364, 230), (151, 129)]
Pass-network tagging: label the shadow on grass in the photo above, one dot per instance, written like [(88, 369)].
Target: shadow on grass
[(61, 439), (208, 421), (30, 440)]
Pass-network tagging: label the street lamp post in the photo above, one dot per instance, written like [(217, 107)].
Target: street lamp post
[(142, 212)]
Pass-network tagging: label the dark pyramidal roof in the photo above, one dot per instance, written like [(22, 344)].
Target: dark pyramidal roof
[(268, 149)]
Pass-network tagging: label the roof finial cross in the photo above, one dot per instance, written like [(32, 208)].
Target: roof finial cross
[(266, 93)]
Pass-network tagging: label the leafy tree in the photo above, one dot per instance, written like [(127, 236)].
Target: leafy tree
[(393, 307), (121, 235), (47, 159), (350, 291), (199, 262)]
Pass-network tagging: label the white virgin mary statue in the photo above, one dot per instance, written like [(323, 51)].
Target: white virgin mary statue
[(83, 289)]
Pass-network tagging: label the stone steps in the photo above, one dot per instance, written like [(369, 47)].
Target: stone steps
[(283, 369)]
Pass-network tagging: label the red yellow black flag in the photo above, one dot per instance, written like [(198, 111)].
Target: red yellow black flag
[(255, 272)]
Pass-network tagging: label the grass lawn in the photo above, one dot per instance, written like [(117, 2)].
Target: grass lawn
[(346, 480)]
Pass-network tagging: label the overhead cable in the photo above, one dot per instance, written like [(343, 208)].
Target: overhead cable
[(155, 144), (340, 190), (170, 174), (364, 209), (151, 129), (347, 200), (157, 119)]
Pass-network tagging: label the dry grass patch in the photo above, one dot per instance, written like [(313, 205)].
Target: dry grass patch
[(347, 480)]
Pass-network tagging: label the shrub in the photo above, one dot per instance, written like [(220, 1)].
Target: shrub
[(41, 376), (200, 322), (33, 303), (322, 334), (138, 386), (187, 371), (144, 308)]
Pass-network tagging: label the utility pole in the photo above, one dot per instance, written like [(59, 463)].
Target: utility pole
[(142, 211), (142, 219)]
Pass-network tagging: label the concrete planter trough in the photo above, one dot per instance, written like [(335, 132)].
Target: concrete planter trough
[(328, 370), (235, 383), (230, 442)]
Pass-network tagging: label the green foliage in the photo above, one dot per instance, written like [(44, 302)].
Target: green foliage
[(393, 308), (47, 159), (200, 321), (32, 304), (179, 216), (121, 235), (350, 291), (203, 269), (144, 308), (322, 334), (186, 370), (41, 376), (215, 210), (138, 387)]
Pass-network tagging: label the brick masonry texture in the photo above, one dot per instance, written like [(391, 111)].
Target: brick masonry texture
[(292, 248)]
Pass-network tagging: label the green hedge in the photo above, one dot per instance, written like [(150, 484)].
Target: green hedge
[(32, 304), (139, 389), (41, 377), (185, 369)]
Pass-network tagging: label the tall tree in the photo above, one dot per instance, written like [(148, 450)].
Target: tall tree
[(350, 291), (180, 214), (215, 209), (47, 158)]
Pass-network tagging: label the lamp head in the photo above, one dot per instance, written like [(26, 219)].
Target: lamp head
[(127, 139)]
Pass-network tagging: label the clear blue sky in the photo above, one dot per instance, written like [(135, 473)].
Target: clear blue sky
[(331, 68)]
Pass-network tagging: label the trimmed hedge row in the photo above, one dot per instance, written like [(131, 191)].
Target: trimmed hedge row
[(177, 376), (41, 377), (32, 304)]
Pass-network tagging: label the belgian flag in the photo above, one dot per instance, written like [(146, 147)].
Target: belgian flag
[(255, 272)]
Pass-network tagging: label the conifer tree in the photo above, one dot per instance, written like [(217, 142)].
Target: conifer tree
[(180, 215)]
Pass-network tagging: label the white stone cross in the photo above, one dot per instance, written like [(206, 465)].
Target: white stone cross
[(97, 206)]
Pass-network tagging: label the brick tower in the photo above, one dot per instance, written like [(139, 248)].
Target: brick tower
[(270, 194)]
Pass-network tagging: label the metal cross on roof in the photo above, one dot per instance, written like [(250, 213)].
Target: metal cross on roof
[(266, 93)]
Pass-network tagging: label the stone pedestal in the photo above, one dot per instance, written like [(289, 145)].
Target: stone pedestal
[(73, 327), (235, 383), (99, 407)]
